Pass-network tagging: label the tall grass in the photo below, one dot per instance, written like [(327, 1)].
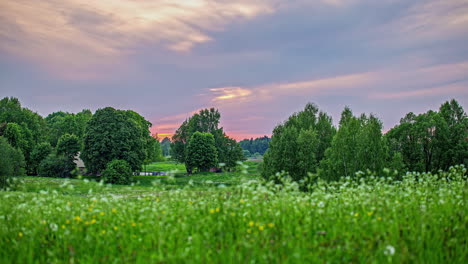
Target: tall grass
[(420, 219)]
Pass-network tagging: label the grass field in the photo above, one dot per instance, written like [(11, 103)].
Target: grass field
[(236, 218)]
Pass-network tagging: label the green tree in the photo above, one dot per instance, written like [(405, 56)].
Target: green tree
[(11, 162), (456, 147), (57, 166), (166, 146), (38, 154), (298, 144), (206, 121), (68, 145), (117, 172), (201, 152), (357, 146), (113, 134)]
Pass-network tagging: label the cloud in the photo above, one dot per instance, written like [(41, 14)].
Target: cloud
[(230, 93), (74, 34), (455, 89)]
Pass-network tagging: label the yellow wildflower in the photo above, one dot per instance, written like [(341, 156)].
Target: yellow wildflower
[(114, 210), (242, 201), (251, 223), (103, 232), (212, 211), (20, 234), (67, 222), (133, 224), (102, 213), (217, 210), (370, 213), (271, 225), (63, 227), (379, 218), (93, 221), (77, 218), (261, 228), (249, 231), (116, 228)]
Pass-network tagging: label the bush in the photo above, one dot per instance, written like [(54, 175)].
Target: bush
[(56, 166), (11, 162), (117, 172)]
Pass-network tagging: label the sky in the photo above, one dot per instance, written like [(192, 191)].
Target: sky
[(256, 61)]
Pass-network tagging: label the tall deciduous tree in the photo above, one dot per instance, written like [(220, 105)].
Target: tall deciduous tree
[(201, 152), (114, 134), (298, 144), (358, 145), (206, 121)]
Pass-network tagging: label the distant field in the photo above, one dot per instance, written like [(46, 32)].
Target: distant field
[(235, 218)]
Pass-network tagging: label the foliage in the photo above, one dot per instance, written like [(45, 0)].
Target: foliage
[(117, 172), (357, 146), (68, 146), (201, 152), (166, 146), (421, 219), (154, 152), (56, 166), (115, 134), (61, 123), (11, 162), (432, 140), (298, 145), (23, 128), (38, 154), (206, 121), (259, 145)]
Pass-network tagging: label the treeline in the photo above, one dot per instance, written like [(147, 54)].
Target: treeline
[(31, 144), (309, 143), (202, 145), (255, 147)]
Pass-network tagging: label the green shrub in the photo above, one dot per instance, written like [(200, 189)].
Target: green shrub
[(117, 172), (11, 162), (56, 166)]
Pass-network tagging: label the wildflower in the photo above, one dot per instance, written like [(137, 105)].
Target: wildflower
[(44, 222), (271, 225), (86, 223), (157, 200), (114, 210), (389, 250), (78, 218), (133, 224), (116, 228), (233, 214), (212, 211), (53, 227), (249, 231), (67, 222), (20, 234), (102, 213), (370, 213), (356, 215), (93, 221), (379, 218), (242, 201), (251, 223), (217, 210), (103, 232), (63, 226), (261, 228)]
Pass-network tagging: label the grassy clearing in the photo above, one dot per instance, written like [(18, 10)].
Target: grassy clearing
[(421, 219)]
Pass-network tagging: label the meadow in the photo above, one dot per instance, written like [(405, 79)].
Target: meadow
[(236, 218)]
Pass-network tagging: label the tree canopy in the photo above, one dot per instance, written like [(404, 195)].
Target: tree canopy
[(206, 121), (115, 135)]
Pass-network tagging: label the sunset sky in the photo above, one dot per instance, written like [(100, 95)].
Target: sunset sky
[(256, 61)]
